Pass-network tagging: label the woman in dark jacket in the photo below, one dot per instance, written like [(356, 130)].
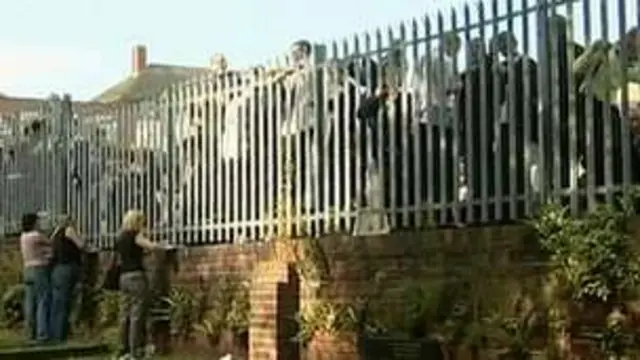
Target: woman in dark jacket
[(68, 247)]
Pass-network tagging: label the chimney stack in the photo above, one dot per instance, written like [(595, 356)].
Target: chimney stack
[(139, 59)]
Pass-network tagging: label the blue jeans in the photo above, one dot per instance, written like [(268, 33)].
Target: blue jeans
[(63, 282), (37, 298)]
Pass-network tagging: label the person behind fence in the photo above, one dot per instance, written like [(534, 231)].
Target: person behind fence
[(130, 246), (67, 261), (36, 254)]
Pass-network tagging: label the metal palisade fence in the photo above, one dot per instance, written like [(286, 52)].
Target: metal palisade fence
[(470, 117)]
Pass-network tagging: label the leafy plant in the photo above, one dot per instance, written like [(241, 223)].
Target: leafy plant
[(615, 340), (237, 318), (12, 305), (183, 306), (11, 287), (422, 310), (320, 316), (211, 326), (222, 305), (10, 269), (110, 305), (593, 265), (515, 334), (591, 255)]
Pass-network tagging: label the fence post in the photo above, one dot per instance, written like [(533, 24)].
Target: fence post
[(64, 131), (170, 112)]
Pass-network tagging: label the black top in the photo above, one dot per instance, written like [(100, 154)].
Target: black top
[(65, 251), (131, 254)]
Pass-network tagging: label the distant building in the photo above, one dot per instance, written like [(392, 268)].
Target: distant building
[(146, 78)]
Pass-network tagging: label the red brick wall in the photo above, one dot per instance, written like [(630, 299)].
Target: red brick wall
[(509, 251), (203, 262)]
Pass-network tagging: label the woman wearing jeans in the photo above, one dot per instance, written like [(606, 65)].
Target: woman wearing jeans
[(130, 247), (36, 255), (67, 262)]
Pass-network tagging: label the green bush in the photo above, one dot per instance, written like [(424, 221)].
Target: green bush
[(109, 307), (12, 306)]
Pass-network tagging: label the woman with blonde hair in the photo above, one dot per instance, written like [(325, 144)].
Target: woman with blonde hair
[(131, 244)]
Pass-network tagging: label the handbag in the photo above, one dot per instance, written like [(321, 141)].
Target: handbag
[(112, 276)]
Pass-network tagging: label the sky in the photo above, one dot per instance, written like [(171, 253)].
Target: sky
[(83, 46)]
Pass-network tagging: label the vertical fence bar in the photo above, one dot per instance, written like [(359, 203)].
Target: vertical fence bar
[(180, 125), (227, 91), (198, 161), (443, 127), (348, 152), (318, 96), (562, 163), (415, 126), (572, 112), (252, 167), (120, 207), (154, 135), (219, 95), (543, 91), (172, 111), (404, 124), (84, 142), (114, 184), (469, 136), (204, 228), (451, 70), (624, 124), (93, 236), (128, 152), (63, 151), (484, 146), (246, 149), (589, 118), (430, 175), (496, 94), (390, 131), (190, 198), (85, 177), (555, 32), (516, 142), (327, 116), (296, 89), (290, 168), (606, 114), (527, 113), (338, 210), (266, 141), (237, 106), (209, 140), (362, 184)]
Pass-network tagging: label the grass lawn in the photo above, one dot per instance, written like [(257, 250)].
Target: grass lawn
[(158, 357), (10, 338), (15, 339)]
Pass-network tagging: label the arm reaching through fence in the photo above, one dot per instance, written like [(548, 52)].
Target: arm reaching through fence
[(72, 234)]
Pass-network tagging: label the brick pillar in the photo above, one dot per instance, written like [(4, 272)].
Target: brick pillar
[(275, 300)]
